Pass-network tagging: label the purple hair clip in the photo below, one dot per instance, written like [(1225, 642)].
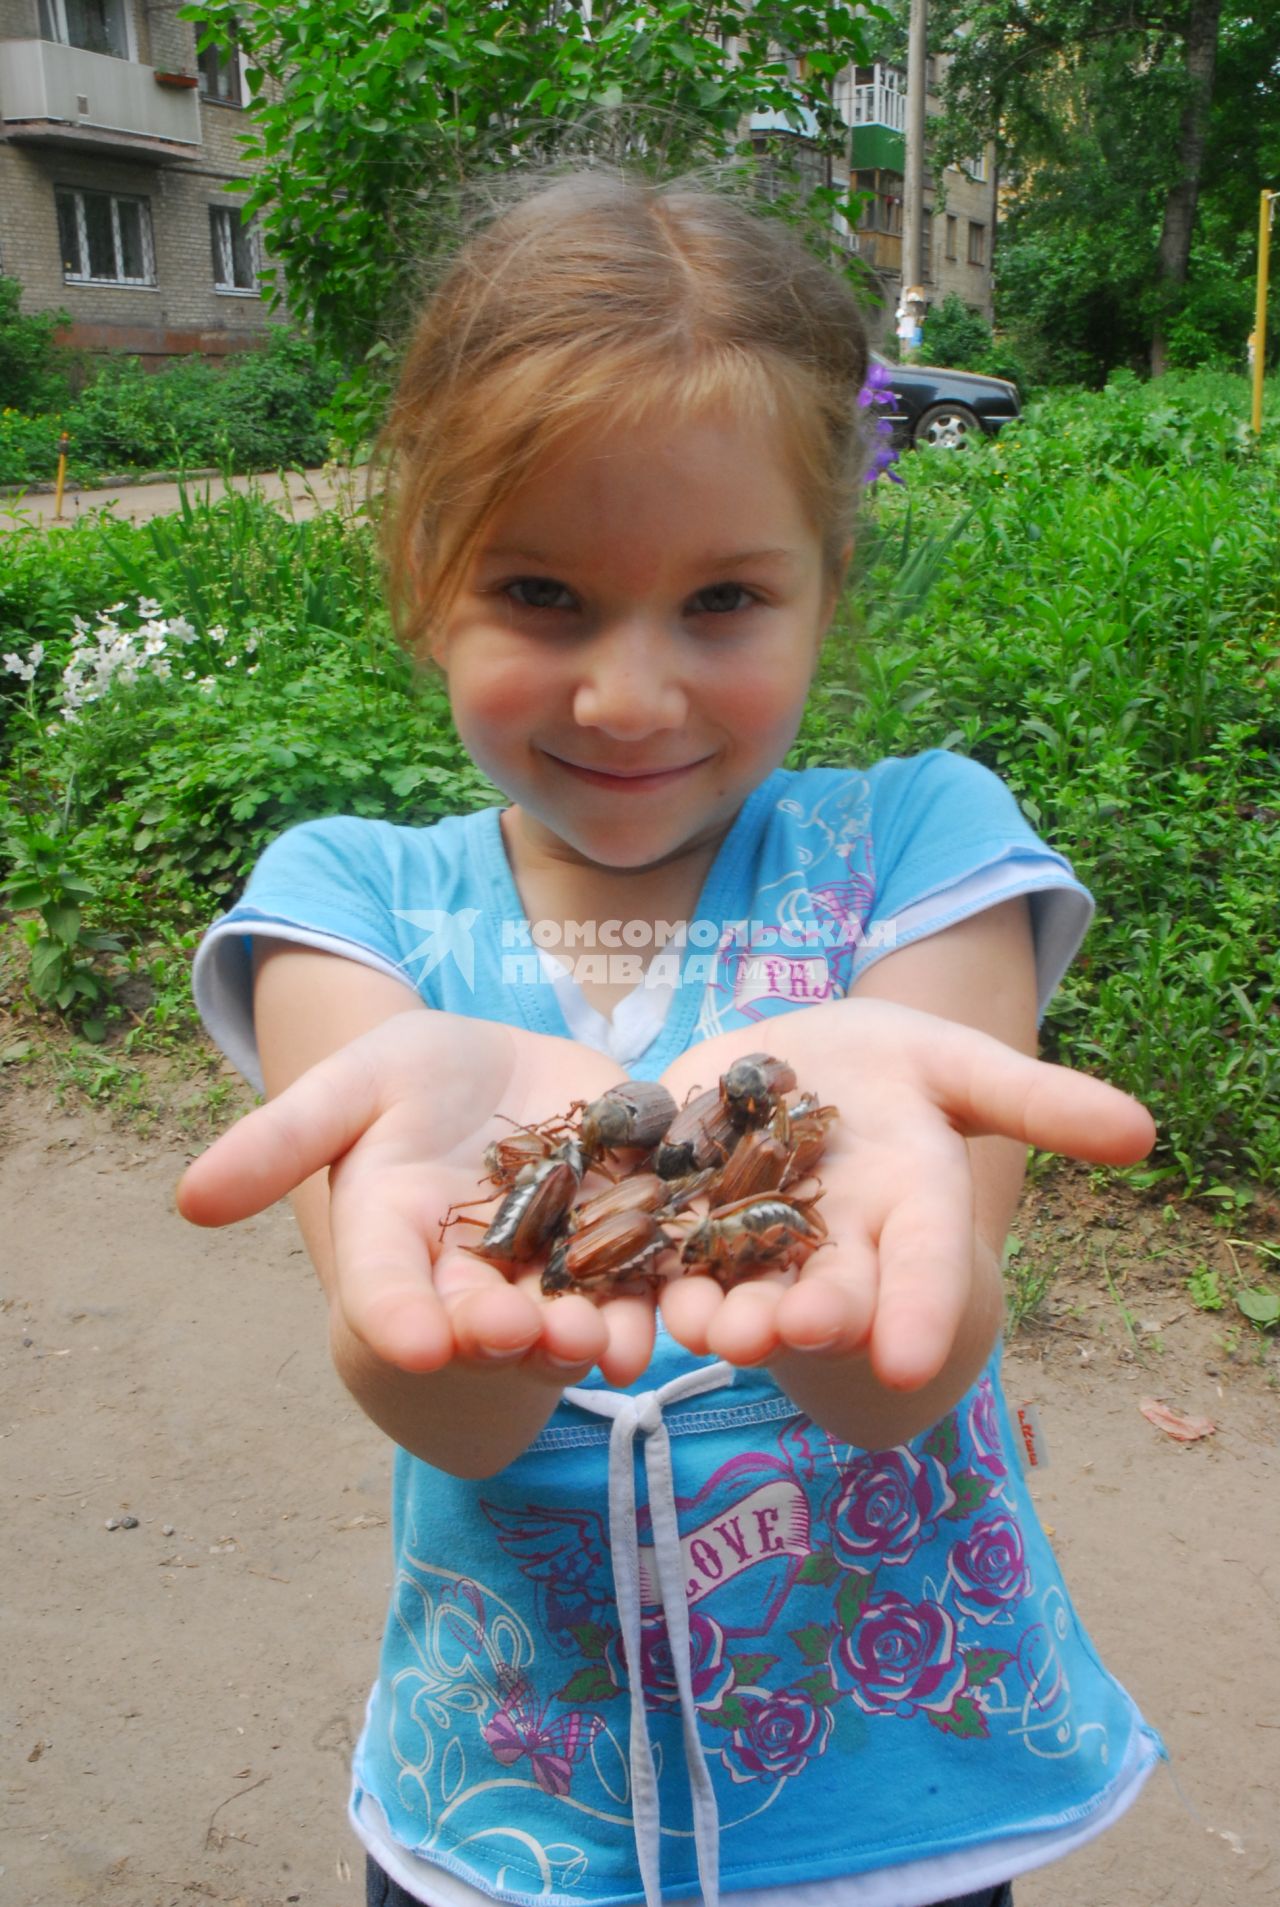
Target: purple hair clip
[(877, 391)]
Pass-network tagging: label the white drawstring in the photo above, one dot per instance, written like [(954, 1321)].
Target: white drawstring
[(644, 1413)]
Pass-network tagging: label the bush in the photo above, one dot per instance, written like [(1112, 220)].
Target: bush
[(33, 369), (955, 335), (260, 410)]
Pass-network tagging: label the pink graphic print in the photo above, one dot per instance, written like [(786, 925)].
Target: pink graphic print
[(520, 1727)]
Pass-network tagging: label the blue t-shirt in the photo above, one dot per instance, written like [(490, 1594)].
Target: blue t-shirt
[(855, 1663)]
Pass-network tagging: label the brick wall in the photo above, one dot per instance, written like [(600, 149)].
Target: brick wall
[(183, 311)]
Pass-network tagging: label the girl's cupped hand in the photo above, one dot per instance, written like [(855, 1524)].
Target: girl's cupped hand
[(900, 1270), (402, 1117)]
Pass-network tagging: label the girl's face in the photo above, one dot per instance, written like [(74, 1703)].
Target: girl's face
[(631, 651)]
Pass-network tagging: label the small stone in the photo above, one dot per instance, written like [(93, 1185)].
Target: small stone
[(27, 1343), (128, 1522), (112, 1523), (167, 1530)]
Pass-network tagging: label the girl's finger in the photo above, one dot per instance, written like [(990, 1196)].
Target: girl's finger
[(832, 1304), (688, 1305), (630, 1324), (269, 1152), (925, 1277), (986, 1087), (384, 1288), (745, 1328)]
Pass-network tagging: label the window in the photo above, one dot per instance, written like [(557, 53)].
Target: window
[(235, 249), (219, 73), (977, 244), (976, 168), (96, 26), (951, 236), (106, 240)]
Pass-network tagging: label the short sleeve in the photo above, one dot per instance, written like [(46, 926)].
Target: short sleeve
[(323, 884), (951, 841)]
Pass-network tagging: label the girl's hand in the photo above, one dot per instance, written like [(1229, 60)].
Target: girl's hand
[(402, 1116), (900, 1275)]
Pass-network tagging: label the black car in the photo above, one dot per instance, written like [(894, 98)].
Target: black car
[(946, 408)]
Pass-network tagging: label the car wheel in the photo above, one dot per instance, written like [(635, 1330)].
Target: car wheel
[(947, 427)]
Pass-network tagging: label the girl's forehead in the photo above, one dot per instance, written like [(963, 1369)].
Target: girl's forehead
[(723, 477)]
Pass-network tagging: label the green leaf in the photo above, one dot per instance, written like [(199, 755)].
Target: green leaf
[(747, 1669), (819, 1688), (851, 1595), (964, 1719), (971, 1492), (592, 1638), (24, 894), (732, 1712), (983, 1665), (943, 1441), (591, 1684), (820, 1567), (812, 1642), (1260, 1307)]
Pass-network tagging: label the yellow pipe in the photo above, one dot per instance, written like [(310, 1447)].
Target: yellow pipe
[(1260, 316), (62, 474)]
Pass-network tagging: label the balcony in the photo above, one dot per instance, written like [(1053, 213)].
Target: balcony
[(62, 96), (873, 103)]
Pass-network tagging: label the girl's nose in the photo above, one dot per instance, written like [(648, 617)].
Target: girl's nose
[(629, 686)]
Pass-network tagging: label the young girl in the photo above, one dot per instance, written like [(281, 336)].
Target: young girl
[(743, 1593)]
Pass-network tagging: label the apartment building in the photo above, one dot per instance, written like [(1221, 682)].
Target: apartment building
[(118, 155), (960, 202)]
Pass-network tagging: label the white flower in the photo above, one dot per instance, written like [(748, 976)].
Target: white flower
[(154, 646), (114, 610), (208, 683), (217, 633), (14, 666), (189, 675), (80, 626), (181, 630), (25, 670), (147, 608), (250, 645), (230, 662), (253, 670), (161, 668)]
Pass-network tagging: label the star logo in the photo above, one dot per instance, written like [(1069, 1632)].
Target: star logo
[(446, 934)]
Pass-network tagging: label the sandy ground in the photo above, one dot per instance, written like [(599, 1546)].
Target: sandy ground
[(303, 493), (179, 1699)]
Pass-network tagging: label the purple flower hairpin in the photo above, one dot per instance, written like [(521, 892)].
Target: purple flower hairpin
[(874, 395)]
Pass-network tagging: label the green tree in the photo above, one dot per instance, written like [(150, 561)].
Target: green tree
[(368, 120), (1130, 122)]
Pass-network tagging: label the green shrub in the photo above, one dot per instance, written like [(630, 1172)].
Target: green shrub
[(33, 368), (955, 335), (28, 447)]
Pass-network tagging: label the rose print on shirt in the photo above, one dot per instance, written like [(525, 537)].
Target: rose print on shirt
[(887, 1504), (901, 1657), (778, 1735), (710, 1670), (989, 1569)]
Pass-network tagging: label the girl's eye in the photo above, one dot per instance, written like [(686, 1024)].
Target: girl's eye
[(723, 599), (538, 592)]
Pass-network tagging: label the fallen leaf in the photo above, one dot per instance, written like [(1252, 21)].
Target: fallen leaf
[(1173, 1423)]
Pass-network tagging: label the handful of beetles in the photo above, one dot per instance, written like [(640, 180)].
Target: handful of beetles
[(748, 1148)]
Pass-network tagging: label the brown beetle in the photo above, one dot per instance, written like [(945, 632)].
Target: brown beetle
[(754, 1234), (701, 1135), (533, 1211), (619, 1251), (753, 1086), (635, 1114), (804, 1128), (757, 1164)]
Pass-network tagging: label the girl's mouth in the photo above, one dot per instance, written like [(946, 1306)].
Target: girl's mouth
[(631, 780)]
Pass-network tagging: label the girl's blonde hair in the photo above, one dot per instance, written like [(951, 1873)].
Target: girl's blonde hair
[(599, 299)]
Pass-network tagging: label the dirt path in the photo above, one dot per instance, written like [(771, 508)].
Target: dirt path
[(302, 493), (179, 1699)]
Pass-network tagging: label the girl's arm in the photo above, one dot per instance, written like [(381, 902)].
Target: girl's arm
[(890, 1323), (394, 1104)]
